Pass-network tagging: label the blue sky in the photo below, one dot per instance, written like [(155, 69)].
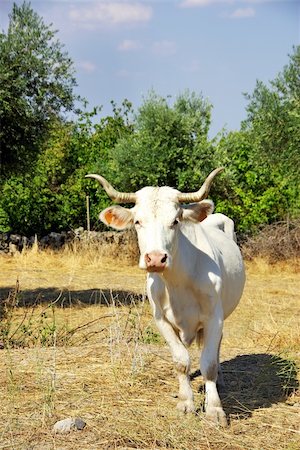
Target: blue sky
[(123, 49)]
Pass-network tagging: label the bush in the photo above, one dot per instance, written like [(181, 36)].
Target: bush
[(276, 242)]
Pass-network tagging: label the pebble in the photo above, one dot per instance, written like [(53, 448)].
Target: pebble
[(67, 425)]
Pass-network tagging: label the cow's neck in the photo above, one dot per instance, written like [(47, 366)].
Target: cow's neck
[(187, 256)]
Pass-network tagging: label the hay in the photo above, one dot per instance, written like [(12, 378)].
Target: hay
[(117, 374)]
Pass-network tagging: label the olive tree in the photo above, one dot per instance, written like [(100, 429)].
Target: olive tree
[(169, 145), (36, 86)]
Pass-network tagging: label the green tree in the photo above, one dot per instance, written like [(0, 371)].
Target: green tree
[(52, 197), (261, 183), (274, 125), (249, 192), (36, 86), (169, 145)]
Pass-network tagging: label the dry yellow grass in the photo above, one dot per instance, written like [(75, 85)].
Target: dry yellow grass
[(108, 365)]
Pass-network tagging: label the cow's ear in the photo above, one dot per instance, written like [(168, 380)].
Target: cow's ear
[(196, 212), (117, 217)]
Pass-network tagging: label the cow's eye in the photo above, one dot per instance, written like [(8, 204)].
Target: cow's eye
[(137, 222), (175, 223)]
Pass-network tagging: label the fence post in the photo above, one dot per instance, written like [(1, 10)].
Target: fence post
[(88, 222)]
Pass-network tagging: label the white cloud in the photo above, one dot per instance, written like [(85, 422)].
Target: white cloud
[(86, 66), (129, 45), (111, 13), (238, 13), (242, 13), (192, 3), (203, 3), (164, 48)]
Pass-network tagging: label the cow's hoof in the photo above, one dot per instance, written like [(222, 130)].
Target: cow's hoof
[(186, 406), (217, 416)]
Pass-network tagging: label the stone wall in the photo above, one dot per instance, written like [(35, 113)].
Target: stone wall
[(12, 243)]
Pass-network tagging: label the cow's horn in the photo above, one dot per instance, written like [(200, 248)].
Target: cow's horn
[(116, 196), (188, 197)]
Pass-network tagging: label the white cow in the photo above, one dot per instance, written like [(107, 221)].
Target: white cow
[(195, 275)]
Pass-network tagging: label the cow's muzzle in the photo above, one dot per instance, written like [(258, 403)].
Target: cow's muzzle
[(156, 261)]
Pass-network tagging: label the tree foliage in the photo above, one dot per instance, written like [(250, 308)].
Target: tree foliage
[(36, 86), (164, 142), (249, 192), (274, 127), (169, 144), (52, 196), (263, 159)]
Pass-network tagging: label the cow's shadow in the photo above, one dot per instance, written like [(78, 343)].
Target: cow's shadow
[(255, 381)]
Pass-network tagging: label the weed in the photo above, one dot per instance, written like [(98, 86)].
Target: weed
[(286, 371), (150, 336), (35, 325)]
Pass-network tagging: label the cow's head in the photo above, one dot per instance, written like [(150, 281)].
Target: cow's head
[(157, 215)]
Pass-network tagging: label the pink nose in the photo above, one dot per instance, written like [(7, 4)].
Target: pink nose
[(156, 261)]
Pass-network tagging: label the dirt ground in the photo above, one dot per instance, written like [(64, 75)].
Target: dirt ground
[(83, 343)]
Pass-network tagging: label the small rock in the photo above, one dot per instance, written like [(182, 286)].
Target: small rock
[(67, 425), (13, 249)]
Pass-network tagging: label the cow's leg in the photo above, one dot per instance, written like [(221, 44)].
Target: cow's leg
[(209, 364), (181, 358), (181, 361)]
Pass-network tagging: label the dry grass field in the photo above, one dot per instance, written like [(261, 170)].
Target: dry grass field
[(78, 339)]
